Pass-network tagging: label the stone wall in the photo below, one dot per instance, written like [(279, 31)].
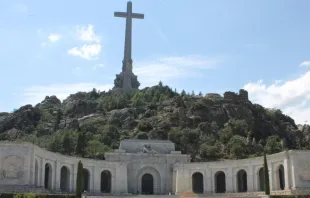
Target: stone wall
[(230, 168), (15, 162), (25, 164), (299, 161)]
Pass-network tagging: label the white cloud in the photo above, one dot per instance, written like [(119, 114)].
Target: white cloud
[(305, 64), (54, 37), (87, 33), (89, 52), (36, 94), (167, 68), (98, 66), (292, 97)]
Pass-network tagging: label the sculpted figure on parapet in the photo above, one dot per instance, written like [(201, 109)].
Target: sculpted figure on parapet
[(147, 149)]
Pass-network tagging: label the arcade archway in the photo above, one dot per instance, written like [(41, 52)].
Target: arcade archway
[(197, 183), (242, 185), (64, 179), (106, 177), (220, 182)]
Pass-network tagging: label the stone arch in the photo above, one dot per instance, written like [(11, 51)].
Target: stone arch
[(147, 171), (48, 176), (220, 182), (242, 183), (197, 183), (260, 179), (86, 180), (281, 177), (36, 173), (64, 179), (106, 181)]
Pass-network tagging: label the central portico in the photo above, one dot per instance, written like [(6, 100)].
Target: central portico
[(149, 164)]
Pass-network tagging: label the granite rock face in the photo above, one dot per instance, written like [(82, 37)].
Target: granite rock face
[(156, 113)]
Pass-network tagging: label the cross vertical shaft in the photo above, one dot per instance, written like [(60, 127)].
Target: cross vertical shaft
[(127, 61)]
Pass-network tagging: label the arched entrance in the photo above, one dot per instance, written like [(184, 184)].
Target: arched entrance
[(105, 186), (64, 179), (48, 176), (261, 176), (281, 177), (147, 183), (197, 183), (145, 177), (86, 180), (36, 173), (220, 182), (242, 181)]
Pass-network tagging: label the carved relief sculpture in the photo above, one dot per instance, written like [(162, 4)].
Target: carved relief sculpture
[(12, 167)]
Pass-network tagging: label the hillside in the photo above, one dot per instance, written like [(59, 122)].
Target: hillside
[(208, 127)]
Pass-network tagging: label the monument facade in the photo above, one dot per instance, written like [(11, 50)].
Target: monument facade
[(149, 167), (126, 80)]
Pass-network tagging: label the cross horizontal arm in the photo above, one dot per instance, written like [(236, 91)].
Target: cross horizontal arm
[(120, 14), (137, 16), (133, 15)]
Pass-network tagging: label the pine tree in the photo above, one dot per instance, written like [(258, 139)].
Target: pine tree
[(266, 176), (79, 180), (68, 144), (183, 93), (81, 144)]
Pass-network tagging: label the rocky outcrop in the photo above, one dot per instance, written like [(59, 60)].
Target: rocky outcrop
[(49, 101), (24, 119), (159, 113)]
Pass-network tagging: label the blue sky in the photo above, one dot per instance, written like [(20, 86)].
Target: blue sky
[(61, 47)]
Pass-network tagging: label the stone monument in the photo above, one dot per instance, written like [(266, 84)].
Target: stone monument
[(126, 80)]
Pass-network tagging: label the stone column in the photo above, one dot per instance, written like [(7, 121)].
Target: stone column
[(97, 180), (272, 177), (57, 176), (177, 182), (208, 182), (42, 171), (287, 167), (230, 180), (32, 167), (250, 179), (74, 175)]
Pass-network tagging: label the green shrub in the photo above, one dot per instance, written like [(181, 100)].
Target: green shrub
[(290, 196), (31, 195)]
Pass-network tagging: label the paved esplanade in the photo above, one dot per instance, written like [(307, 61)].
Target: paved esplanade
[(127, 62)]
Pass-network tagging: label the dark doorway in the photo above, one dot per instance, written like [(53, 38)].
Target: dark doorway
[(64, 179), (242, 181), (281, 177), (147, 187), (197, 183), (86, 180), (105, 181), (48, 176), (220, 182), (261, 179)]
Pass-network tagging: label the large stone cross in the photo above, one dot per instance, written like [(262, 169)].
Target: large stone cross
[(127, 62)]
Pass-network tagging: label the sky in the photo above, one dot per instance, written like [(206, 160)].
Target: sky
[(62, 47)]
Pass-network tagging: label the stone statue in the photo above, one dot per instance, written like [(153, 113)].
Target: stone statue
[(147, 149)]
